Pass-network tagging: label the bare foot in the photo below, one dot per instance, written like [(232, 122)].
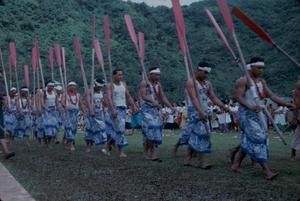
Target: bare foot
[(104, 151), (205, 166), (123, 155), (175, 150), (231, 154), (272, 176), (9, 155), (147, 157), (236, 169), (256, 165), (88, 150)]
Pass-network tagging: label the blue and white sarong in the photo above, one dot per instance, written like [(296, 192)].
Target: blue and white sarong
[(118, 125), (151, 124), (109, 129), (254, 140), (60, 117), (185, 135), (23, 126), (198, 131), (95, 129), (71, 121), (50, 122), (39, 126), (10, 122)]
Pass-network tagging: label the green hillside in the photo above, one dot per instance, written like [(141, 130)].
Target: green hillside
[(56, 21)]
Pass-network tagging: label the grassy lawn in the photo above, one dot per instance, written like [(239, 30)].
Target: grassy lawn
[(56, 174)]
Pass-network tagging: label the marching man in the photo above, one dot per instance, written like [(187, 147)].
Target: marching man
[(152, 93), (197, 128), (254, 140), (117, 93)]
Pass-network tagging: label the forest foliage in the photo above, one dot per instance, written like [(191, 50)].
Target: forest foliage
[(57, 21)]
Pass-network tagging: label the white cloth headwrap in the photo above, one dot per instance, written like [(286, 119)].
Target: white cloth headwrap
[(98, 84), (156, 71), (204, 68), (72, 83), (25, 89), (258, 63), (59, 88), (13, 89)]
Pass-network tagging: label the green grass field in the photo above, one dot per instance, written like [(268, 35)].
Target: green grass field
[(56, 174)]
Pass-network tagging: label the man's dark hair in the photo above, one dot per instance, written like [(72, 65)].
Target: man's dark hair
[(152, 68), (204, 64), (256, 59), (117, 70)]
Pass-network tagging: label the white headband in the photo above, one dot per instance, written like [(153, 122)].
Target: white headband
[(13, 89), (259, 63), (25, 89), (59, 88), (50, 84), (98, 84), (205, 68), (72, 83), (156, 71)]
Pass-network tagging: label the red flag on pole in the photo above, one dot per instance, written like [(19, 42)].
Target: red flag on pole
[(219, 30), (80, 59), (226, 15), (180, 26), (34, 59), (57, 54), (4, 76), (106, 33), (13, 54), (260, 32), (252, 25), (51, 59), (77, 49), (9, 69), (99, 55), (131, 30), (141, 45), (26, 75)]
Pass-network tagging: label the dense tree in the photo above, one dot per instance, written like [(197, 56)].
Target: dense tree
[(56, 21)]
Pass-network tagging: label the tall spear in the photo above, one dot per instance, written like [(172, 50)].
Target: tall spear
[(80, 60), (223, 37), (51, 60), (250, 23), (40, 66), (93, 53), (64, 64), (58, 60), (34, 67), (10, 71), (181, 33), (134, 39), (13, 54), (107, 43), (141, 44), (4, 77), (99, 55), (26, 76), (229, 23)]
